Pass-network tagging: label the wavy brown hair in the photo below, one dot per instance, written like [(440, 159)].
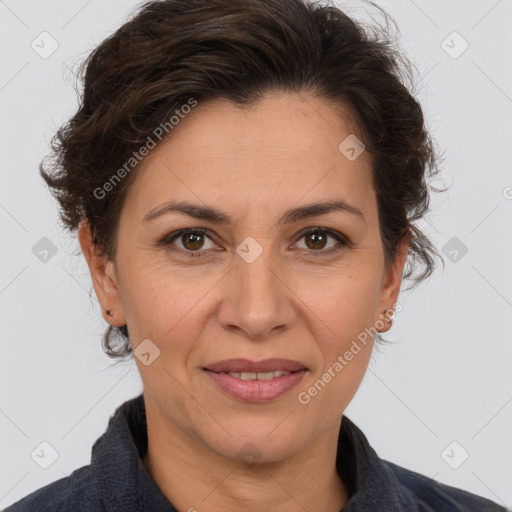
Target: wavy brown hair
[(172, 50)]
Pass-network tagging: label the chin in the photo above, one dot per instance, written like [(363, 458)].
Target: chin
[(268, 442)]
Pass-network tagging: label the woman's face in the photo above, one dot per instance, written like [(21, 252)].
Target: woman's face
[(258, 284)]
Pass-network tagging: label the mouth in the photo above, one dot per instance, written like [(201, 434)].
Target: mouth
[(252, 381)]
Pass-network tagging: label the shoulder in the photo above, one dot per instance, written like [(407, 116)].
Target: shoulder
[(440, 497), (69, 494)]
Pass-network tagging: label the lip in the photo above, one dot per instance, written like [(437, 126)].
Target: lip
[(256, 390), (246, 365)]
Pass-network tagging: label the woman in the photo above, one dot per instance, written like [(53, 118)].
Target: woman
[(244, 177)]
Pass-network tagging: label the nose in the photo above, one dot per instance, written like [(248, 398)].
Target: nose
[(257, 297)]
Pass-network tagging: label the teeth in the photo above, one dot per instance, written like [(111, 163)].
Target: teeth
[(265, 375), (259, 376)]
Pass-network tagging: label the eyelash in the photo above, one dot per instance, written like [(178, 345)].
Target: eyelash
[(169, 239)]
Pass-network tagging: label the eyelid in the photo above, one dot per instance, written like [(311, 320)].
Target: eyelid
[(169, 239), (331, 232)]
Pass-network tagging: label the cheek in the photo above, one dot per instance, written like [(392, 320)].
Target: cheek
[(345, 341), (169, 308), (343, 303)]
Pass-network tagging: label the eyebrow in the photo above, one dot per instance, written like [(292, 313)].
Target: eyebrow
[(207, 213)]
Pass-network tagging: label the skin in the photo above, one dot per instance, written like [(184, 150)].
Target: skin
[(295, 301)]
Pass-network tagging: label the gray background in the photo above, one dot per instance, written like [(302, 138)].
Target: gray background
[(447, 378)]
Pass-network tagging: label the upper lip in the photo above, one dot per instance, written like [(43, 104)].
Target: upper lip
[(246, 365)]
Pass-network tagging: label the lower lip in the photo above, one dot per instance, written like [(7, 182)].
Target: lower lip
[(256, 390)]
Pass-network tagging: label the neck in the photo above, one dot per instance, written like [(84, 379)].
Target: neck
[(194, 478)]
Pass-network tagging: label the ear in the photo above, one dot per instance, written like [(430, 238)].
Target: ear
[(391, 283), (103, 275)]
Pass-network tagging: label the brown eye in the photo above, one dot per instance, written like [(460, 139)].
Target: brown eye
[(192, 241), (317, 240)]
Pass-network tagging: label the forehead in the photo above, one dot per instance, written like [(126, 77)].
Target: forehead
[(280, 151)]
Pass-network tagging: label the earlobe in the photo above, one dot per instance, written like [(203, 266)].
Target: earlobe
[(386, 320), (103, 276)]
